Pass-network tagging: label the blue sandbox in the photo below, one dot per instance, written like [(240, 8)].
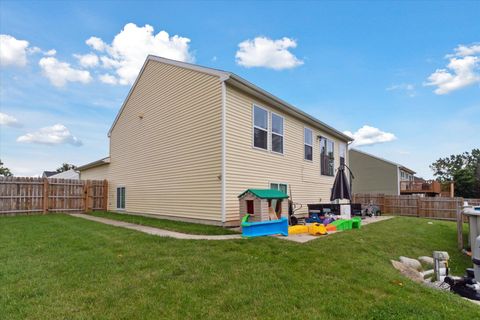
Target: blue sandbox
[(264, 228)]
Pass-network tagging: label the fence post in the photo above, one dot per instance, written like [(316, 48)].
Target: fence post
[(419, 207), (45, 195), (459, 223), (87, 196), (105, 194)]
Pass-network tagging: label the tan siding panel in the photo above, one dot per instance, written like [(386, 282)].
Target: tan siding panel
[(95, 173), (166, 145), (248, 167)]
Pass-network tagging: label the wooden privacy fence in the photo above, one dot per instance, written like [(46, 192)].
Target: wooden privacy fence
[(42, 195), (426, 207)]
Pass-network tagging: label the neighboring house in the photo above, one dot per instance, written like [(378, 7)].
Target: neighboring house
[(188, 140), (69, 174), (376, 175), (47, 174)]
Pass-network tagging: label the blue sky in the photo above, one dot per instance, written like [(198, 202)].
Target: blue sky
[(349, 64)]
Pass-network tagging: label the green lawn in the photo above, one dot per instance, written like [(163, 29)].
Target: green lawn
[(185, 227), (61, 267)]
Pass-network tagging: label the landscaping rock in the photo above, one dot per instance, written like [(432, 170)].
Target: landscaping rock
[(427, 273), (412, 263), (426, 260), (407, 271)]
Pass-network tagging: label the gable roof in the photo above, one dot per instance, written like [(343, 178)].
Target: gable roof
[(265, 193), (95, 163), (384, 160), (242, 84), (47, 174)]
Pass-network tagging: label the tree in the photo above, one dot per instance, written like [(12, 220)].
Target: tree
[(66, 167), (4, 171), (463, 169)]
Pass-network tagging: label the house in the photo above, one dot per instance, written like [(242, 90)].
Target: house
[(189, 139), (69, 174), (48, 174), (377, 175)]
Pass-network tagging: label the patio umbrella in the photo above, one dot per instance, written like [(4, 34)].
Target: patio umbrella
[(341, 187)]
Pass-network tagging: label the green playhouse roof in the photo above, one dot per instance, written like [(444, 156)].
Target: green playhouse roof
[(265, 193)]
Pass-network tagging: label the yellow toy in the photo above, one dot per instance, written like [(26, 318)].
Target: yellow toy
[(317, 229), (297, 229)]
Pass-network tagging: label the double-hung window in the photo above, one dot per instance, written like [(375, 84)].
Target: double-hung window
[(342, 153), (121, 198), (277, 133), (308, 144), (260, 128), (279, 186), (326, 157)]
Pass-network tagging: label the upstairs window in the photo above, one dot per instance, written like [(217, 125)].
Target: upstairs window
[(260, 128), (277, 133), (342, 153), (121, 198), (308, 144), (326, 157)]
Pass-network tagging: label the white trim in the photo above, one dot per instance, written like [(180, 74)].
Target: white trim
[(124, 197), (224, 152), (260, 128), (272, 133)]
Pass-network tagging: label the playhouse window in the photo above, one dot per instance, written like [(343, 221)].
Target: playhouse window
[(308, 144), (277, 133), (260, 128), (121, 198)]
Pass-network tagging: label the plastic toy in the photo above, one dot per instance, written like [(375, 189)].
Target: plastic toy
[(356, 223), (327, 221), (298, 229), (317, 229), (313, 218), (330, 227), (264, 228), (343, 224)]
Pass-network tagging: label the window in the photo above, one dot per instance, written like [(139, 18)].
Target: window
[(121, 198), (260, 128), (277, 133), (342, 153), (326, 157), (308, 144), (279, 186)]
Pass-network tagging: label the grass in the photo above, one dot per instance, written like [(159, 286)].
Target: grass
[(61, 267), (185, 227)]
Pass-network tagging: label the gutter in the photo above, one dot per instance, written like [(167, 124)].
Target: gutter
[(224, 149)]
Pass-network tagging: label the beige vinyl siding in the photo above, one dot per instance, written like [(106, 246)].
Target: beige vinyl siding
[(248, 167), (373, 175), (95, 173), (165, 147)]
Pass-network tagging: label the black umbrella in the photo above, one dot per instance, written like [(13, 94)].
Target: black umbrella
[(341, 187)]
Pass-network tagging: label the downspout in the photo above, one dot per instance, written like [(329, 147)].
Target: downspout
[(224, 150)]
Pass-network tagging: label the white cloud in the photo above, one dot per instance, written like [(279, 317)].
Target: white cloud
[(8, 120), (462, 70), (13, 52), (129, 49), (268, 53), (108, 79), (368, 135), (56, 134), (50, 52), (88, 60), (59, 73), (408, 88)]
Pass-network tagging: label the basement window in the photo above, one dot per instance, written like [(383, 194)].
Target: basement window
[(279, 186), (121, 198), (260, 128)]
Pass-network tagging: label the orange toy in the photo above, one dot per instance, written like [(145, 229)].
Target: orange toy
[(331, 227)]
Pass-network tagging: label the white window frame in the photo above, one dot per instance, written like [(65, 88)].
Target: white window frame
[(278, 183), (281, 135), (342, 146), (327, 140), (124, 197), (306, 144), (260, 128)]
